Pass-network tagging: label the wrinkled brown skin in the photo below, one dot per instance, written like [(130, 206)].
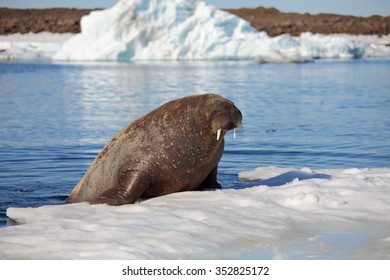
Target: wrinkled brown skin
[(172, 149)]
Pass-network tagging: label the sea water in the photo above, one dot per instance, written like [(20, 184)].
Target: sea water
[(56, 117)]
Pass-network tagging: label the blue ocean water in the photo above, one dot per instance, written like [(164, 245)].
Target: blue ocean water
[(56, 117)]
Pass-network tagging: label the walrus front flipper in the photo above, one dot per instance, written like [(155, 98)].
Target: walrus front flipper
[(211, 181), (132, 185)]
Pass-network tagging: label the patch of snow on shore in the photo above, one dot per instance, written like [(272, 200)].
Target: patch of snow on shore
[(31, 46)]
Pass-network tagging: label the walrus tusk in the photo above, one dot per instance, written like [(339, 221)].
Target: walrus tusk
[(219, 133), (234, 133)]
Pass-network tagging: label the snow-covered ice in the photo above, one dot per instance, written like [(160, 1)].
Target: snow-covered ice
[(31, 46), (135, 30), (290, 213), (187, 29)]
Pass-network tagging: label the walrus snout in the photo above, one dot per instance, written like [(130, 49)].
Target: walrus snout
[(228, 118)]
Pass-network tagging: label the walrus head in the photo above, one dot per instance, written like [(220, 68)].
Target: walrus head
[(225, 116)]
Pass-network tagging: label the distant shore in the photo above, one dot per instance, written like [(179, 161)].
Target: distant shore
[(276, 23), (270, 20)]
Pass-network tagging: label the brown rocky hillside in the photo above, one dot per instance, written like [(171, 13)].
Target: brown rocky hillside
[(270, 20)]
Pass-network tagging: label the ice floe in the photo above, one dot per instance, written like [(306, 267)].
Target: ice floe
[(289, 214)]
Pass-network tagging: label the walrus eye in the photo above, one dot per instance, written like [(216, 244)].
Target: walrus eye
[(230, 108)]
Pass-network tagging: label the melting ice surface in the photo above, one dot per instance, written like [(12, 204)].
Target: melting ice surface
[(187, 30), (291, 213)]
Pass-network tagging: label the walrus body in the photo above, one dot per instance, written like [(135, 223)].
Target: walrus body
[(176, 147)]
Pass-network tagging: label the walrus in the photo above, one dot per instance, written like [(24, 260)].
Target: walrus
[(176, 147)]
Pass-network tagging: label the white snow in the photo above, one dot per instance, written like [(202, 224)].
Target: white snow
[(186, 30), (291, 213), (31, 46)]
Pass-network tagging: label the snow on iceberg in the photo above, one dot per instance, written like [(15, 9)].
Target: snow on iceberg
[(152, 29), (188, 29), (291, 213)]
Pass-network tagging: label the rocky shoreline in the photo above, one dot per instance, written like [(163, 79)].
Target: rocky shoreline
[(56, 20), (270, 20), (276, 23)]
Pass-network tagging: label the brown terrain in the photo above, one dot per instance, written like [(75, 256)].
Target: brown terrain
[(275, 22), (56, 20), (270, 20)]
